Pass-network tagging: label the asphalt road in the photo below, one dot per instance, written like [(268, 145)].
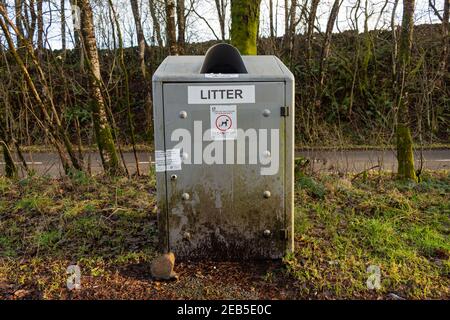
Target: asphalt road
[(328, 161)]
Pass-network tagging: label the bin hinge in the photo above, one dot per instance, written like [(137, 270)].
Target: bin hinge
[(285, 112)]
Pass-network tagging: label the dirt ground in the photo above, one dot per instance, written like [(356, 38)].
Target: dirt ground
[(197, 281)]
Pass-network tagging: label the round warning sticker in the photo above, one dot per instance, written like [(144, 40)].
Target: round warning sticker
[(223, 122)]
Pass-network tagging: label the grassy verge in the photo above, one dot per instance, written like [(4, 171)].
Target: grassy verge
[(344, 227), (108, 226), (47, 225), (299, 147)]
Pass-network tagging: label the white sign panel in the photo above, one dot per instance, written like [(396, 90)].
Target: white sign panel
[(168, 161), (221, 94), (223, 122)]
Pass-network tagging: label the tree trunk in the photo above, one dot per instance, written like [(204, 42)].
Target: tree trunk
[(10, 166), (310, 28), (156, 27), (394, 44), (181, 26), (102, 128), (272, 30), (140, 35), (292, 16), (292, 27), (220, 6), (171, 34), (286, 20), (30, 20), (244, 25), (40, 25), (124, 70), (19, 20), (327, 39), (75, 21), (143, 47), (405, 155), (443, 68), (63, 25)]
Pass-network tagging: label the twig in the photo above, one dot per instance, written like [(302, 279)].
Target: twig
[(362, 172)]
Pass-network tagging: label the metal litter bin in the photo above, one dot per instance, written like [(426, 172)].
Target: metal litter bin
[(224, 141)]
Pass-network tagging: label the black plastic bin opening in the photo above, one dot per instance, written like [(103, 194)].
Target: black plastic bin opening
[(223, 58)]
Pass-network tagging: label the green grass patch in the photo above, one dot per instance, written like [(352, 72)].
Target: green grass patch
[(342, 227), (48, 224)]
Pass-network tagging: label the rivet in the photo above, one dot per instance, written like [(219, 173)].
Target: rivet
[(267, 194), (267, 154), (174, 177), (183, 114), (185, 196), (266, 113), (267, 233)]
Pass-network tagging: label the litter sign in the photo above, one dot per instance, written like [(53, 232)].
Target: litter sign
[(223, 122)]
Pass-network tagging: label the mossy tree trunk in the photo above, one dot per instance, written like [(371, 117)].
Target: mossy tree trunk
[(102, 128), (405, 155), (244, 25)]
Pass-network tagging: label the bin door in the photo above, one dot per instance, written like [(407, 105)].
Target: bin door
[(234, 208)]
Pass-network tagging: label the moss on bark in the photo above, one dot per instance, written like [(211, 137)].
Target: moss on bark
[(244, 25), (103, 131), (405, 155)]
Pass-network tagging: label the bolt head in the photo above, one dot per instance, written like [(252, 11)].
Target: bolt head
[(183, 114), (267, 154), (267, 194)]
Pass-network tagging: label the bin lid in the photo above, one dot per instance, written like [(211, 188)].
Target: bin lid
[(188, 69)]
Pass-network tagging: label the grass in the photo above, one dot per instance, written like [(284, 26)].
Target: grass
[(145, 147), (47, 225), (399, 227), (342, 227)]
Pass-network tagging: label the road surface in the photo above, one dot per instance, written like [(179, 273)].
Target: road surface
[(325, 161)]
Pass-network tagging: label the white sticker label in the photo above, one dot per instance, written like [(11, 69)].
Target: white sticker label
[(224, 122), (221, 94), (221, 75), (168, 161)]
